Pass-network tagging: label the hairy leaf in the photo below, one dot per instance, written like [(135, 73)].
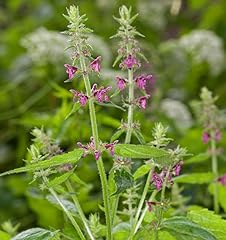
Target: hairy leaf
[(70, 157), (183, 228), (138, 151), (210, 221), (59, 180), (221, 194), (195, 178), (117, 134), (35, 234), (123, 180), (141, 171), (74, 109)]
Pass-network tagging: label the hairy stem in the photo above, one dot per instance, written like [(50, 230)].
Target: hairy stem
[(141, 203), (165, 183), (79, 209), (131, 107), (95, 134), (215, 172)]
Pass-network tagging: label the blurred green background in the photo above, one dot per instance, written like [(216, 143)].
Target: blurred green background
[(184, 43)]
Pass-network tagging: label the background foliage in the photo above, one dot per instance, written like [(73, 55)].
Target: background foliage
[(185, 46)]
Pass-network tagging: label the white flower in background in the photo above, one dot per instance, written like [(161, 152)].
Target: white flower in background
[(44, 46), (205, 46), (178, 112), (154, 12)]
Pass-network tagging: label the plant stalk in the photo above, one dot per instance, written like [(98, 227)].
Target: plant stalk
[(95, 135), (215, 172), (141, 203), (79, 209), (164, 184)]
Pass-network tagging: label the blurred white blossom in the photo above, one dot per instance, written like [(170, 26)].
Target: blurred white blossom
[(178, 112), (154, 12), (45, 46), (205, 47)]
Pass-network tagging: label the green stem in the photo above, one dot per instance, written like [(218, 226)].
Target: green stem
[(164, 184), (95, 134), (215, 172), (131, 107), (69, 215), (79, 209), (141, 203), (144, 212)]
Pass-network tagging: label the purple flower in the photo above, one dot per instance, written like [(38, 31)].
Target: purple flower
[(111, 146), (95, 64), (218, 135), (222, 180), (79, 96), (97, 154), (157, 180), (121, 83), (142, 80), (101, 93), (71, 70), (205, 137), (177, 168), (130, 62), (149, 204), (142, 101)]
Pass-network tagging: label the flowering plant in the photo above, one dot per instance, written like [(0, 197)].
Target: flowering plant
[(136, 191)]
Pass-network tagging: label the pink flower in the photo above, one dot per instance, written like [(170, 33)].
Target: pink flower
[(205, 137), (71, 70), (121, 83), (218, 135), (97, 154), (101, 93), (95, 64), (130, 62), (142, 101), (177, 168), (110, 146), (149, 204), (157, 180), (222, 180), (79, 96), (142, 80)]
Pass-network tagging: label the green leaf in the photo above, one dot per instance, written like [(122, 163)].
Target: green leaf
[(195, 178), (59, 180), (70, 157), (198, 158), (210, 221), (221, 194), (123, 180), (117, 134), (183, 228), (146, 234), (121, 231), (68, 204), (35, 234), (138, 151), (4, 235), (141, 171), (74, 109)]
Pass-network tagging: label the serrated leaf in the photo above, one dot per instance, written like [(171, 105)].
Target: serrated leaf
[(59, 180), (183, 228), (35, 234), (138, 151), (195, 178), (141, 171), (123, 180), (76, 106), (68, 204), (117, 134), (146, 234), (210, 221), (198, 158), (70, 157)]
